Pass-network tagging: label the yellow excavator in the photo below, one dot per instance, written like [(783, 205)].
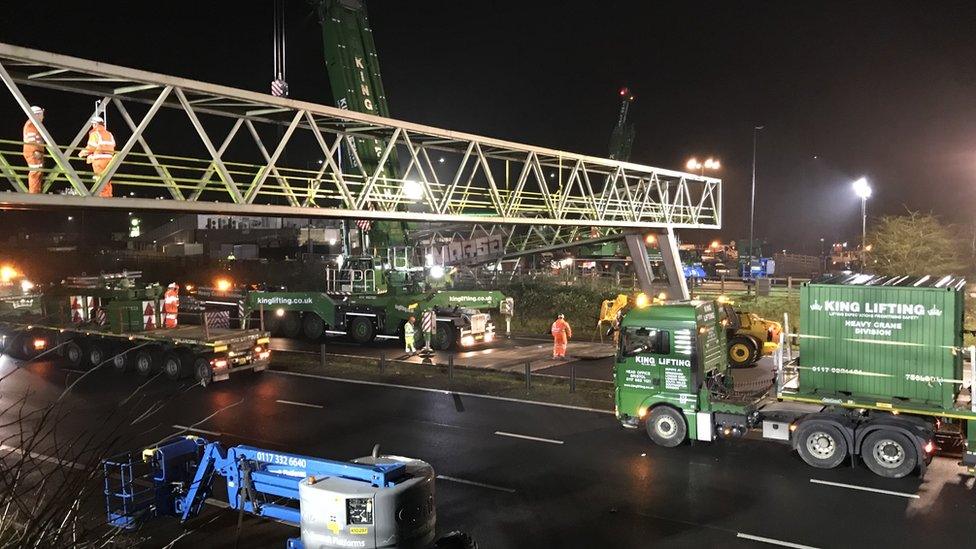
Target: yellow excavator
[(749, 336)]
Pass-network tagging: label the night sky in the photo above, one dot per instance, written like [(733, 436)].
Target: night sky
[(885, 90)]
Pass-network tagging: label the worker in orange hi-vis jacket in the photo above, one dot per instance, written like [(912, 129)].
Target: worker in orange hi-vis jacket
[(34, 153), (99, 152), (561, 333), (171, 305)]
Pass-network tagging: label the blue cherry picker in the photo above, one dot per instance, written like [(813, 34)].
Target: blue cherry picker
[(371, 502)]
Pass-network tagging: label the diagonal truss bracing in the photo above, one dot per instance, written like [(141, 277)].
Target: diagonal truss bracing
[(302, 161)]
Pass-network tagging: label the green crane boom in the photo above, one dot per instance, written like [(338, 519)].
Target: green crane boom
[(354, 75), (622, 138)]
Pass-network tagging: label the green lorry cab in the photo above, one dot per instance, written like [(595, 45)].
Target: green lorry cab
[(878, 376)]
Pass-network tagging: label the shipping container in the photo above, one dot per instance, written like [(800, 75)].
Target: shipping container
[(894, 339)]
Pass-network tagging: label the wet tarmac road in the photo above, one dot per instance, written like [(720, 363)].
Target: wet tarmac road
[(579, 480)]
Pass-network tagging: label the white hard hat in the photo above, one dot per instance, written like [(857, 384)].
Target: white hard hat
[(96, 119), (37, 110), (562, 315), (172, 285)]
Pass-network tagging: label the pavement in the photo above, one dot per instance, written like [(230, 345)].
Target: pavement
[(517, 474)]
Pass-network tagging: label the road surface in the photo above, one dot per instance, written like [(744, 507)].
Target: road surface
[(525, 475)]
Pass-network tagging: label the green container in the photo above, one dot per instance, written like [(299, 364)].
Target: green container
[(895, 340)]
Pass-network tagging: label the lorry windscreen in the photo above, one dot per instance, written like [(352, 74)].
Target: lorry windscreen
[(645, 340)]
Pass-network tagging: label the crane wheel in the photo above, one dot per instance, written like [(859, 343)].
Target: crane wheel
[(445, 338), (313, 327), (290, 325), (362, 330)]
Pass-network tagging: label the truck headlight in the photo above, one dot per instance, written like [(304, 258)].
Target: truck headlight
[(359, 511)]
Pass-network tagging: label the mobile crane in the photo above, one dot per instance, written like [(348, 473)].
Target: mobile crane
[(372, 502)]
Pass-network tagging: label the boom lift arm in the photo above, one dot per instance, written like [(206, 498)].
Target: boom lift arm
[(382, 501)]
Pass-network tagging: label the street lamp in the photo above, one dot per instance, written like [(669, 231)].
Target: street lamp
[(752, 200), (709, 164), (863, 191)]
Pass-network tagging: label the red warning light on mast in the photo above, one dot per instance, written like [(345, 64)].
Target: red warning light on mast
[(625, 93)]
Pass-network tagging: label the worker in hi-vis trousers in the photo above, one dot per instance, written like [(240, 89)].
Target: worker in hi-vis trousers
[(171, 306), (99, 152), (561, 333), (408, 332), (34, 153)]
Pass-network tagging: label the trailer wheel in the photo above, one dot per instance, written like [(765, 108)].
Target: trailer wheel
[(173, 365), (889, 454), (821, 446), (313, 326), (74, 355), (202, 371), (742, 352), (97, 352), (120, 360), (362, 330), (147, 361), (666, 427), (290, 325)]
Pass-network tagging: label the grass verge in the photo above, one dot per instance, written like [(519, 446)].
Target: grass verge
[(547, 389)]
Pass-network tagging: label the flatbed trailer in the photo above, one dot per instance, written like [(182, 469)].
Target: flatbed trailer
[(99, 320), (207, 355), (878, 378)]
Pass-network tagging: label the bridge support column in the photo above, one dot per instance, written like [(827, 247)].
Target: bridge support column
[(668, 244)]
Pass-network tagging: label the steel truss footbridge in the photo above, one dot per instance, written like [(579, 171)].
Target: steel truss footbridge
[(195, 147)]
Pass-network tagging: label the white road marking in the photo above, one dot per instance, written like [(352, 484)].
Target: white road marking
[(293, 403), (774, 541), (865, 488), (473, 483), (527, 437), (196, 430), (442, 391), (42, 457)]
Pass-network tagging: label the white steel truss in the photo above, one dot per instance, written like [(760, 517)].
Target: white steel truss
[(445, 176)]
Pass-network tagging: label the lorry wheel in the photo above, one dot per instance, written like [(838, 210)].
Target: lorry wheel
[(362, 330), (313, 326), (290, 325), (742, 352), (889, 454), (173, 365), (146, 361), (202, 371), (821, 446), (74, 355), (27, 350), (666, 427)]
